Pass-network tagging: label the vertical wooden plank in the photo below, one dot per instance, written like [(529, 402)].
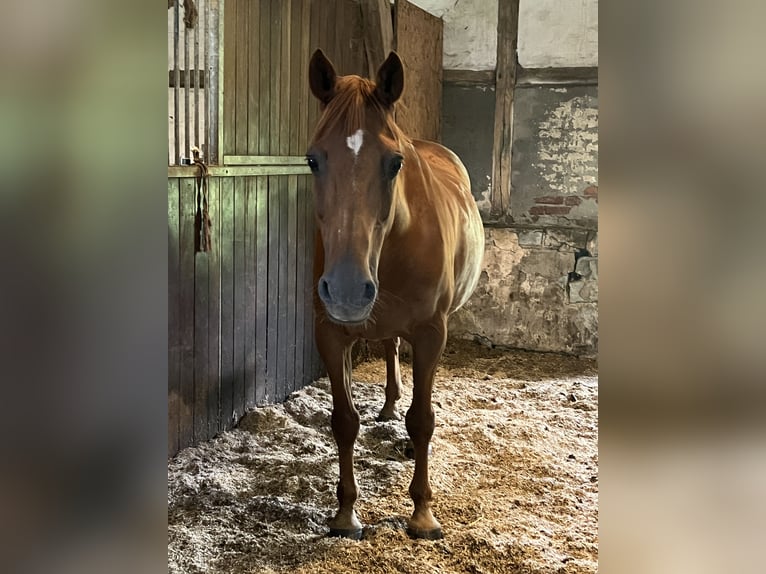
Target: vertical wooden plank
[(214, 308), (300, 282), (250, 293), (283, 330), (227, 300), (378, 33), (187, 103), (315, 21), (418, 39), (265, 79), (253, 143), (202, 381), (275, 103), (324, 28), (302, 84), (261, 289), (308, 309), (284, 333), (505, 81), (353, 38), (263, 392), (196, 86), (239, 318), (214, 52), (174, 343), (335, 35), (254, 78), (186, 242), (272, 351), (176, 84), (205, 80), (297, 147), (242, 60), (229, 78), (318, 34)]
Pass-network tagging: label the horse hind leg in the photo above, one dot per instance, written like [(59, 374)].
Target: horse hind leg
[(393, 380)]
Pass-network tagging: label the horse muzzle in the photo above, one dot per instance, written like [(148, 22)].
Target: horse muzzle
[(347, 299)]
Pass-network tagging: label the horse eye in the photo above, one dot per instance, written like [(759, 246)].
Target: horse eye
[(312, 163), (394, 166)]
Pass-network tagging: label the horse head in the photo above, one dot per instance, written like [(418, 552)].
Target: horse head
[(356, 156)]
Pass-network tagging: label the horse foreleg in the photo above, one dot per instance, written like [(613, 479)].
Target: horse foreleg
[(345, 428), (427, 346), (393, 380)]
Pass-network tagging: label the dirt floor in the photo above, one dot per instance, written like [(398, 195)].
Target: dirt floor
[(514, 470)]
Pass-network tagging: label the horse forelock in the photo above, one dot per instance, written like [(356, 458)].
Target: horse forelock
[(348, 111)]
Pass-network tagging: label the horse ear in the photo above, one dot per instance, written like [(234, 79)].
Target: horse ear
[(390, 80), (322, 77)]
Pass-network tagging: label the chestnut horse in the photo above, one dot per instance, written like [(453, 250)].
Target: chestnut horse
[(399, 247)]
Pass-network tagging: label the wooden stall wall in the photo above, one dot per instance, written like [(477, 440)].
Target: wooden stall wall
[(240, 316), (241, 330), (418, 38)]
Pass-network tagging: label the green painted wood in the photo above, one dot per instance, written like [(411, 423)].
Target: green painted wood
[(228, 372), (250, 292), (261, 289), (239, 170), (174, 344), (254, 80), (214, 309), (240, 318), (265, 159), (272, 313), (228, 79), (202, 381), (241, 96), (265, 80), (186, 311), (291, 265), (283, 331)]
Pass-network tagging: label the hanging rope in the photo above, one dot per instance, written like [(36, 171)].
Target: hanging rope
[(202, 222)]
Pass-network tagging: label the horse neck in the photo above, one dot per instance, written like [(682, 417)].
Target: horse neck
[(412, 170)]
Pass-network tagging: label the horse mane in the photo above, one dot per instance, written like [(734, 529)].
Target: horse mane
[(354, 98)]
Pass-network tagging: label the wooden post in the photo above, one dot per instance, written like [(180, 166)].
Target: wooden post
[(378, 32), (505, 80)]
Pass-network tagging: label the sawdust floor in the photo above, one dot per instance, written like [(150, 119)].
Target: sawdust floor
[(514, 470)]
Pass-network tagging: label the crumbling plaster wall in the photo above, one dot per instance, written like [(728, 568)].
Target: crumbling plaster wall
[(539, 285)]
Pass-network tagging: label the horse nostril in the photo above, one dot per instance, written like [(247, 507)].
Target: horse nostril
[(324, 290), (369, 292)]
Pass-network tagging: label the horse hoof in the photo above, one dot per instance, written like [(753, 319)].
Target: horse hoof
[(353, 533), (432, 534), (384, 417)]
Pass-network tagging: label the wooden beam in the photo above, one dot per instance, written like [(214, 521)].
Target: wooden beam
[(238, 170), (557, 76), (264, 160), (419, 42), (378, 32), (469, 77), (505, 80)]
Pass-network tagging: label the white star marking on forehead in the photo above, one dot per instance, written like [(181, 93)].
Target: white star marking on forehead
[(354, 142)]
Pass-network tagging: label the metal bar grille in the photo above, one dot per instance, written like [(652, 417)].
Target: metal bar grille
[(193, 45)]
